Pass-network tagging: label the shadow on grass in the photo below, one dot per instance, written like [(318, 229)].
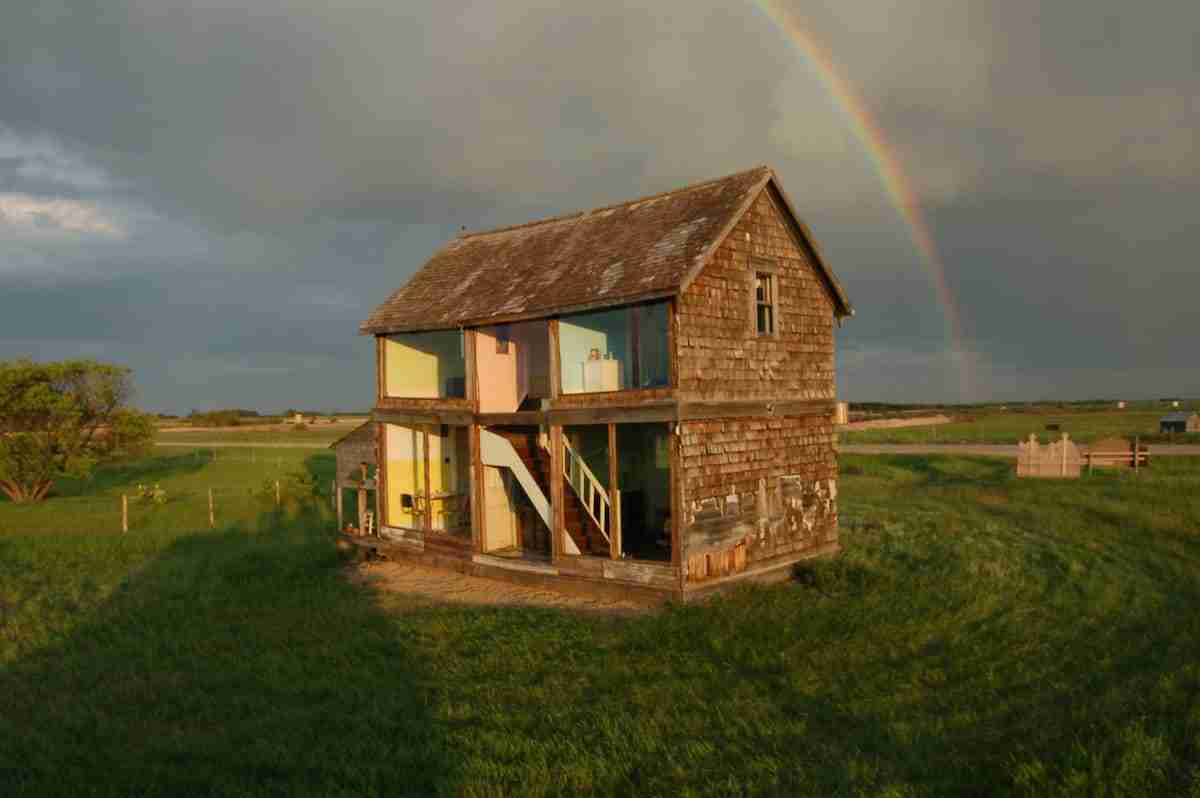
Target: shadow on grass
[(235, 662)]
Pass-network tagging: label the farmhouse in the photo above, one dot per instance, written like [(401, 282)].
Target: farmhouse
[(637, 398), (1179, 422)]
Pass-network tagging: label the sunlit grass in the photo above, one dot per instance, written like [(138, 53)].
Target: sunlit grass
[(979, 635)]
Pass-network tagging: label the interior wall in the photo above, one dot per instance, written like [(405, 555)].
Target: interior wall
[(449, 462), (605, 331), (426, 365), (499, 383), (533, 338), (405, 472)]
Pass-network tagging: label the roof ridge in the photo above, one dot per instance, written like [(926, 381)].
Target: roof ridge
[(577, 214)]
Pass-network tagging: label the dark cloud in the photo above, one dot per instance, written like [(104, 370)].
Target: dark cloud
[(266, 171)]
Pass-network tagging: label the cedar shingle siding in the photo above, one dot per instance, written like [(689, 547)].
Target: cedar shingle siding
[(721, 357)]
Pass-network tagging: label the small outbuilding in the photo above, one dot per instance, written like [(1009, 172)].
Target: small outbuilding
[(357, 467), (1179, 422)]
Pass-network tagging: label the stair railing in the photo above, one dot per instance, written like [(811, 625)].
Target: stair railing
[(591, 493)]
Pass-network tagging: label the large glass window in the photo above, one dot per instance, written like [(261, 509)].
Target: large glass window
[(614, 350), (425, 365)]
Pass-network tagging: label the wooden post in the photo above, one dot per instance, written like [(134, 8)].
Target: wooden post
[(380, 375), (124, 513), (212, 521), (676, 487), (362, 509), (472, 376), (276, 493), (555, 366), (381, 486), (557, 498), (428, 522), (614, 495), (476, 477), (615, 550), (339, 508), (378, 515)]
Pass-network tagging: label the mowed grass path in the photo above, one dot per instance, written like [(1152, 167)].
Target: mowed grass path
[(978, 636)]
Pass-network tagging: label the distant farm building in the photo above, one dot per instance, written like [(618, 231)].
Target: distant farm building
[(1179, 422)]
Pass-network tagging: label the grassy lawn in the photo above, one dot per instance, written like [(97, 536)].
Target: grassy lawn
[(979, 635), (319, 435), (1009, 427)]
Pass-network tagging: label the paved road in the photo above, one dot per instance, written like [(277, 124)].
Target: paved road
[(242, 445), (988, 449)]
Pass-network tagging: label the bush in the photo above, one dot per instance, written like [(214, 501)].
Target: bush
[(216, 418)]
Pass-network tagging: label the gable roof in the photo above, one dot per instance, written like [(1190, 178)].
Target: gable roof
[(363, 433), (641, 249)]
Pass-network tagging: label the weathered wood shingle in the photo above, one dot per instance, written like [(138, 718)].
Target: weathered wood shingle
[(635, 250)]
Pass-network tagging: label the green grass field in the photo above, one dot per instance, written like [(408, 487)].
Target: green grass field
[(1009, 427), (978, 635), (317, 436)]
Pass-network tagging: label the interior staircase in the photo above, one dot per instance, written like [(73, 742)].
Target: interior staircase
[(580, 526)]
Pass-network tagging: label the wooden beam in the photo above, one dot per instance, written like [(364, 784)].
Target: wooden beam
[(614, 493), (672, 338), (381, 473), (469, 347), (522, 418), (557, 497), (428, 522), (476, 476), (380, 372), (416, 418), (660, 411), (555, 365), (635, 343), (676, 492)]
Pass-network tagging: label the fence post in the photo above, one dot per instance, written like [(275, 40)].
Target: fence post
[(124, 513), (338, 501), (211, 519), (276, 493)]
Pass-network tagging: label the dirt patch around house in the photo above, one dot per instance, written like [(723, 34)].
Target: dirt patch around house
[(422, 584)]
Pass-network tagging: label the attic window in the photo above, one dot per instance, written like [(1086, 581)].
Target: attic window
[(764, 298)]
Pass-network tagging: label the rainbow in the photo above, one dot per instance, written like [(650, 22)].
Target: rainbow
[(887, 165)]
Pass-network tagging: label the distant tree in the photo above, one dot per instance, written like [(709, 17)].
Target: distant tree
[(61, 420)]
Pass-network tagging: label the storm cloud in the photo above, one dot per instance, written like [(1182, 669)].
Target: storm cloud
[(216, 193)]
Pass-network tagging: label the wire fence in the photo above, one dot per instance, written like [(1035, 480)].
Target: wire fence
[(198, 508)]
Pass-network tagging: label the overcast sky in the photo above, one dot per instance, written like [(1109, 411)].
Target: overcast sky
[(215, 193)]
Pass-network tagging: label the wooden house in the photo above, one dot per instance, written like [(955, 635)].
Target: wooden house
[(638, 398)]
